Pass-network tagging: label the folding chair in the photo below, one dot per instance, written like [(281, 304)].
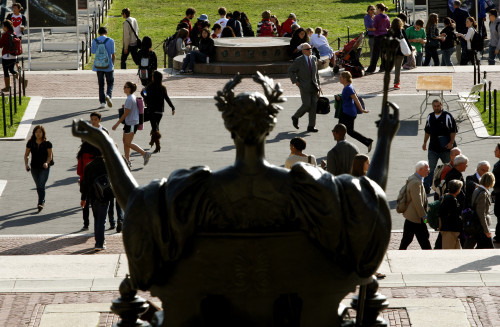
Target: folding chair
[(468, 100)]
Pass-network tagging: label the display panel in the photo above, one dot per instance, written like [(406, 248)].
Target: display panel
[(52, 13)]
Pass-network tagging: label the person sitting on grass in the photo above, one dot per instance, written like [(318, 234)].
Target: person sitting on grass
[(205, 50)]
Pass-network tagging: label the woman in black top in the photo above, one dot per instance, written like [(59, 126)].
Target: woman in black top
[(433, 41), (41, 157), (148, 62), (448, 44), (450, 223), (155, 94), (298, 37), (205, 51), (245, 24)]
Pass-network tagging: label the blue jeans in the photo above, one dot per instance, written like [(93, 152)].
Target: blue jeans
[(40, 176), (433, 160), (111, 214), (446, 57), (110, 81), (419, 57), (492, 55), (99, 210), (192, 58)]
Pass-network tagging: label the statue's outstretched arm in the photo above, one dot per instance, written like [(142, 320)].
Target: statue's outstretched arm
[(122, 180)]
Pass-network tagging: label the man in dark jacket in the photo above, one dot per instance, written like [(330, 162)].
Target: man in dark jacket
[(472, 181), (93, 170), (456, 173), (341, 156), (459, 15), (235, 24)]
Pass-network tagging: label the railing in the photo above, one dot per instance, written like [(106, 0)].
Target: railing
[(14, 91)]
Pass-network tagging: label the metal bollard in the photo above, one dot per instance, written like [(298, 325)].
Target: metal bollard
[(10, 106), (24, 83), (348, 35), (20, 88), (15, 93), (495, 113), (83, 55), (489, 96), (474, 63), (4, 117), (338, 41), (484, 93)]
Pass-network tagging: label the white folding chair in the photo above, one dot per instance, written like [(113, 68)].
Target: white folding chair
[(468, 100)]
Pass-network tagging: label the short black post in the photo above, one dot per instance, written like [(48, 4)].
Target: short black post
[(10, 106), (348, 35), (4, 117), (19, 80), (478, 67), (474, 63), (15, 93), (338, 41), (489, 96), (495, 108), (83, 55), (484, 96), (24, 84)]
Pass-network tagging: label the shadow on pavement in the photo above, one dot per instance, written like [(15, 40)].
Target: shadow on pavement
[(479, 265), (49, 245), (34, 217)]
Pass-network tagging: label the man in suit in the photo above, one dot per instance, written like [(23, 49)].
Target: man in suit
[(459, 15), (340, 157), (472, 181), (304, 73), (416, 213), (456, 172)]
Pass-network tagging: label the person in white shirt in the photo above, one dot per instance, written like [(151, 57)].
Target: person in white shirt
[(320, 42), (222, 21), (130, 38), (471, 28), (297, 145), (18, 20)]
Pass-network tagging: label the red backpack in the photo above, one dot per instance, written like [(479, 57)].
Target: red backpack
[(266, 28), (15, 47)]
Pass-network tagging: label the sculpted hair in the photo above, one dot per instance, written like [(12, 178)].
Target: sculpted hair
[(421, 164), (487, 180), (454, 186), (460, 159)]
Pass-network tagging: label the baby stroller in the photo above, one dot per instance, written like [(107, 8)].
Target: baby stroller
[(348, 57)]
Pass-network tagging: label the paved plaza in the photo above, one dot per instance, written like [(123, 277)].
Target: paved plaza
[(48, 270)]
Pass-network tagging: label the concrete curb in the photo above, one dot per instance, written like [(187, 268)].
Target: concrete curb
[(26, 121)]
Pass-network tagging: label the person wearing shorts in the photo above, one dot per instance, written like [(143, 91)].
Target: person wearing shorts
[(131, 119)]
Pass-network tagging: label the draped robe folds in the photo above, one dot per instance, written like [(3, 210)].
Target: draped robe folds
[(347, 216)]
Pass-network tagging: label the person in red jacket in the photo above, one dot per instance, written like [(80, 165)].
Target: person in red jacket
[(286, 27), (8, 60)]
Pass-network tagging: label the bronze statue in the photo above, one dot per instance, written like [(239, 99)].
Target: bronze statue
[(220, 243)]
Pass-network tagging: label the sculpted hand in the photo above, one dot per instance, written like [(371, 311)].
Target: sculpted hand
[(88, 133), (388, 124)]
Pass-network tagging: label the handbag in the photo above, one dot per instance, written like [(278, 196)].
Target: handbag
[(338, 105), (323, 106), (405, 49), (139, 42)]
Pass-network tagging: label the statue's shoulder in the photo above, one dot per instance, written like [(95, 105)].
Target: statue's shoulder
[(190, 175)]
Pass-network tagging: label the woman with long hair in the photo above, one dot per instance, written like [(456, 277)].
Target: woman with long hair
[(360, 165), (298, 37), (131, 119), (370, 15), (471, 29), (276, 22), (41, 158), (8, 59), (155, 94), (381, 23), (350, 108), (148, 62), (398, 32), (433, 40)]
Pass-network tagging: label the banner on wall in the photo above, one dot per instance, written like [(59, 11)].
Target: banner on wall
[(52, 13)]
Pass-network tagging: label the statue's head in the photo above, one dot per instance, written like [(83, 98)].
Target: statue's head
[(250, 116)]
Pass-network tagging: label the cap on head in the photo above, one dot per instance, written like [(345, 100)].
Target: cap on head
[(203, 17)]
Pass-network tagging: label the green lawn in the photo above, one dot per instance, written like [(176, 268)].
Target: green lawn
[(486, 114), (158, 18), (11, 130)]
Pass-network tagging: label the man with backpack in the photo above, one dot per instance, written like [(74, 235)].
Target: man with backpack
[(104, 49), (494, 47), (265, 27), (96, 188), (416, 209)]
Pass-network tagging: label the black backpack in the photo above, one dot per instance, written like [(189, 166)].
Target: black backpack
[(102, 189), (169, 45), (477, 42)]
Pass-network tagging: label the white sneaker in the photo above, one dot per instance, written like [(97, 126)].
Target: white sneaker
[(147, 155), (108, 101), (102, 106)]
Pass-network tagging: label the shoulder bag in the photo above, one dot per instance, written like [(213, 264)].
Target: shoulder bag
[(139, 42)]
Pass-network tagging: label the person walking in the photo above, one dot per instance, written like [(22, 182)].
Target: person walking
[(130, 38), (416, 213), (350, 108), (433, 41), (398, 33), (303, 72), (448, 43), (450, 223), (148, 62), (494, 47), (131, 119), (103, 47), (481, 202), (496, 194), (381, 23), (441, 128), (155, 96), (41, 160), (8, 59), (297, 145), (340, 157)]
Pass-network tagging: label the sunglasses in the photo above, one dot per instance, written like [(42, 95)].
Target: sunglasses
[(307, 49)]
